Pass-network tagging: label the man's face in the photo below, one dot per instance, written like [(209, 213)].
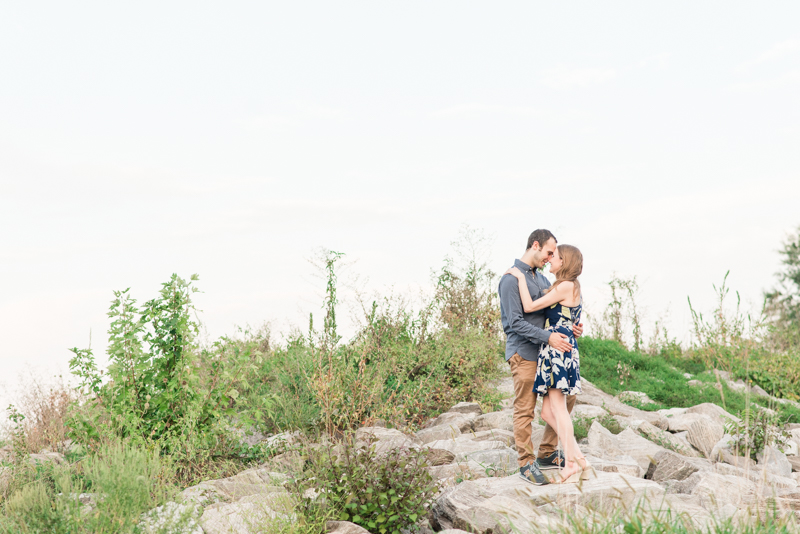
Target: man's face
[(543, 254)]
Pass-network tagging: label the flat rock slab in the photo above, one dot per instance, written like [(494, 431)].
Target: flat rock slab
[(247, 515), (460, 448), (385, 439), (467, 407), (452, 474), (713, 411), (759, 476), (249, 482), (435, 433), (498, 462), (461, 421), (623, 464), (494, 420), (496, 434), (497, 503), (344, 527)]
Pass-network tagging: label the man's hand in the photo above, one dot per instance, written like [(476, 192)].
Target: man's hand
[(577, 330), (559, 342)]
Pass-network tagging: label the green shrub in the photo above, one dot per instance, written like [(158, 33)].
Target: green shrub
[(382, 492), (161, 388), (756, 430)]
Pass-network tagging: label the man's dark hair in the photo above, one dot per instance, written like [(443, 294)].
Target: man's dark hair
[(540, 236)]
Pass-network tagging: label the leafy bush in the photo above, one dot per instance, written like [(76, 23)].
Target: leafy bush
[(161, 389), (756, 430), (383, 492), (402, 366)]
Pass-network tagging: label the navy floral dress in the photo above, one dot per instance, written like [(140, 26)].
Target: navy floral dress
[(556, 369)]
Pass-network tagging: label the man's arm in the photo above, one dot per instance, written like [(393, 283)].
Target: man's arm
[(512, 304)]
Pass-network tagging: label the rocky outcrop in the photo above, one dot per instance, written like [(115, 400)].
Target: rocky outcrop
[(495, 504), (678, 460)]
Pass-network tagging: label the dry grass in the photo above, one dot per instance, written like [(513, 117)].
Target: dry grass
[(45, 404)]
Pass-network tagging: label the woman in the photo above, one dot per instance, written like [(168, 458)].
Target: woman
[(558, 373)]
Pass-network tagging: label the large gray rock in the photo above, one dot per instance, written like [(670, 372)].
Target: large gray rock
[(496, 434), (686, 511), (249, 482), (386, 439), (715, 491), (761, 477), (793, 460), (499, 503), (452, 474), (494, 420), (460, 448), (775, 462), (623, 464), (248, 514), (439, 457), (641, 449), (714, 412), (704, 435), (596, 397), (663, 438), (466, 407), (434, 433), (602, 440), (461, 421), (682, 422), (725, 451), (344, 527), (497, 462), (668, 465)]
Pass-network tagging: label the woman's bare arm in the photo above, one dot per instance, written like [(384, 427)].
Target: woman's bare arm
[(561, 292)]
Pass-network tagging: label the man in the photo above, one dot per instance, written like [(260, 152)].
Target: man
[(525, 334)]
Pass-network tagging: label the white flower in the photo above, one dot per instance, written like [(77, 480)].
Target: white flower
[(562, 384)]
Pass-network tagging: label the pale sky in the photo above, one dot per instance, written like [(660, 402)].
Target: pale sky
[(233, 139)]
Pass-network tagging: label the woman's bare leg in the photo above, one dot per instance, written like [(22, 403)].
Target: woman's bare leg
[(554, 412)]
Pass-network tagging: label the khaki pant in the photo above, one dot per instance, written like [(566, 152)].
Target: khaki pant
[(524, 374)]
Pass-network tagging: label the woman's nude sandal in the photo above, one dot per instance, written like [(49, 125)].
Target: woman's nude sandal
[(586, 472)]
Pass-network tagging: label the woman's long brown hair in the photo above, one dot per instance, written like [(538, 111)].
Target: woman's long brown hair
[(571, 269)]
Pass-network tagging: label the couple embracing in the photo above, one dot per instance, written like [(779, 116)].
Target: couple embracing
[(541, 323)]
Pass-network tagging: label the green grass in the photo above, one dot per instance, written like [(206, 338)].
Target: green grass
[(126, 481), (661, 378)]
